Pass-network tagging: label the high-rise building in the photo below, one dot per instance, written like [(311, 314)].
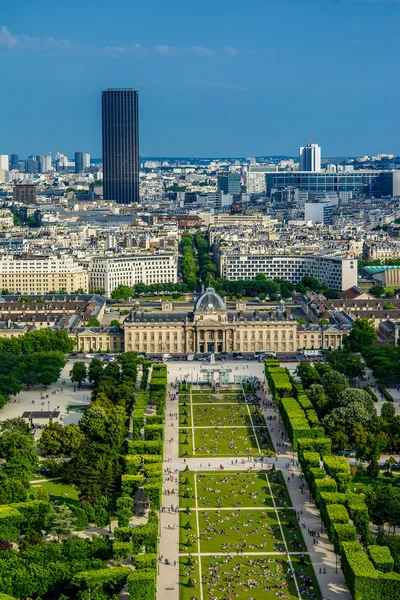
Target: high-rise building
[(4, 165), (120, 145), (31, 165), (44, 163), (79, 162), (86, 161), (14, 162), (310, 158), (229, 183), (25, 194)]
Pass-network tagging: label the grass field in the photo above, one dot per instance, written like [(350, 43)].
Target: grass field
[(253, 578), (227, 441), (59, 491), (232, 490), (229, 415)]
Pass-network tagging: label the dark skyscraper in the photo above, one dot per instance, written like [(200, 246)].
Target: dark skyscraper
[(79, 162), (14, 162), (120, 145)]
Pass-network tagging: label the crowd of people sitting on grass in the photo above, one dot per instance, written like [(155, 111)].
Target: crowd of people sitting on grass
[(228, 577)]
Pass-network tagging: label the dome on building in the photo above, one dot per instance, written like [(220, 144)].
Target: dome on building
[(210, 301)]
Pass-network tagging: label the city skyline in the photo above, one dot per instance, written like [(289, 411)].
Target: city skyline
[(289, 73)]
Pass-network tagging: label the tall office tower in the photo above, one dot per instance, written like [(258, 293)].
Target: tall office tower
[(222, 182), (44, 162), (234, 183), (31, 165), (79, 162), (120, 145), (4, 166), (26, 194), (310, 158), (86, 161), (14, 162)]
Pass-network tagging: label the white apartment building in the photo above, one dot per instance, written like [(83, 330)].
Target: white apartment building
[(310, 158), (32, 274), (256, 183), (339, 273), (86, 161), (107, 273), (4, 164)]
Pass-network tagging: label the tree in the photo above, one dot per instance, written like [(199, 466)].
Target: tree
[(93, 322), (115, 323), (61, 522), (377, 290), (361, 337), (316, 394), (78, 373), (95, 370), (334, 384), (307, 374), (388, 411), (122, 292)]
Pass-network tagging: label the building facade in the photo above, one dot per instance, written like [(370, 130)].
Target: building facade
[(310, 158), (368, 183), (242, 263), (211, 327), (29, 274), (107, 273), (79, 168), (120, 128), (25, 194)]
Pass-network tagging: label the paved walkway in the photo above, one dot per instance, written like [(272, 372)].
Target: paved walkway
[(332, 584)]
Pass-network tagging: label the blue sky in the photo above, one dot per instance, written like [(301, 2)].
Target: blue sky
[(215, 77)]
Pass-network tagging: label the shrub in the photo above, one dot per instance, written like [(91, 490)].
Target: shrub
[(132, 464), (323, 485), (142, 584), (131, 483), (145, 536), (343, 532), (122, 534), (371, 393), (145, 447), (335, 513), (153, 492), (114, 578), (386, 394), (381, 558), (152, 459), (338, 468), (10, 523), (145, 561), (154, 432), (122, 550), (322, 445)]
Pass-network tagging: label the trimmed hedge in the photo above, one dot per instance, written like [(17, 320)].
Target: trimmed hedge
[(142, 584), (381, 558), (338, 468), (115, 578), (131, 483), (145, 447), (122, 550), (335, 513), (145, 561), (371, 393), (322, 445), (387, 395), (153, 492), (145, 536), (122, 534), (132, 464), (323, 485), (10, 523), (154, 432), (152, 459), (342, 532)]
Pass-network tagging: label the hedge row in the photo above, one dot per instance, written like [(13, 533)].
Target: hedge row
[(22, 518)]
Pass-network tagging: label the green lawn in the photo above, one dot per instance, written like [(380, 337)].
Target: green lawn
[(189, 568), (228, 531), (230, 490), (247, 578), (60, 491), (279, 489), (186, 490), (229, 415), (213, 399), (227, 441)]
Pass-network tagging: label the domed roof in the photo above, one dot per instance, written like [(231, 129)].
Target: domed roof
[(210, 301)]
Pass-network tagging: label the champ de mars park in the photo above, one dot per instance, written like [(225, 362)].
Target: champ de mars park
[(199, 480)]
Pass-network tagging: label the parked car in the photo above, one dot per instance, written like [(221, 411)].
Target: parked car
[(190, 356), (89, 356)]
